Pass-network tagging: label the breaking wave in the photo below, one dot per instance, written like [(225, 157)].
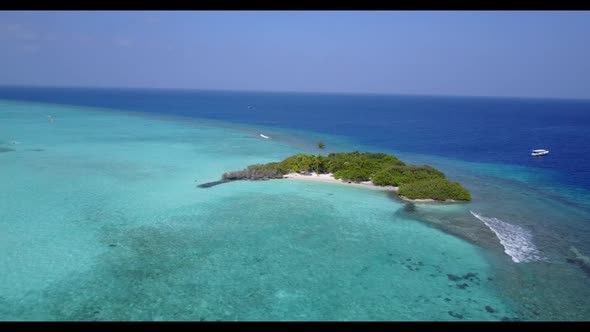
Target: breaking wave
[(517, 241)]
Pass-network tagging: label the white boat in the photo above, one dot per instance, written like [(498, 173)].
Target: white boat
[(264, 136), (539, 152)]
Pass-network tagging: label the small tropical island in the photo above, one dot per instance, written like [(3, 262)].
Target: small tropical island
[(376, 170)]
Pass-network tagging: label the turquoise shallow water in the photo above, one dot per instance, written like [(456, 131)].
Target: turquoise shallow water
[(100, 219)]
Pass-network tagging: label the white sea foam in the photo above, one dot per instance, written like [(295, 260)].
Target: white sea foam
[(517, 241)]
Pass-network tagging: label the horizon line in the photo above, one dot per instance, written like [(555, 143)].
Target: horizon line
[(383, 94)]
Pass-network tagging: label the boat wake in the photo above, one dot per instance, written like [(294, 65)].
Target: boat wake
[(517, 241)]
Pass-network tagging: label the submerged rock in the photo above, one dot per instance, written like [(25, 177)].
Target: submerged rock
[(6, 149), (470, 275), (211, 184), (453, 277), (456, 315), (410, 207)]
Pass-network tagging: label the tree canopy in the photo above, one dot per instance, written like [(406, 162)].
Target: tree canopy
[(415, 182)]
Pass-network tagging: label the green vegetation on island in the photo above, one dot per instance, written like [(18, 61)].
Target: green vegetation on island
[(439, 189), (414, 182)]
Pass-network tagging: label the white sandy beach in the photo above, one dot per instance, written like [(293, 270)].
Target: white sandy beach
[(329, 178)]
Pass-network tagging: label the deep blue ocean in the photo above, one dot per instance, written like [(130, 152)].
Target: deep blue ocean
[(477, 129)]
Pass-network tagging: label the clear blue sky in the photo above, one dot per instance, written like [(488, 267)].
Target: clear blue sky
[(528, 54)]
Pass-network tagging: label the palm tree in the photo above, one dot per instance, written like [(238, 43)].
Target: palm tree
[(321, 146)]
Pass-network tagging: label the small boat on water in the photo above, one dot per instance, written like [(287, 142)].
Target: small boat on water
[(264, 136), (539, 152)]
